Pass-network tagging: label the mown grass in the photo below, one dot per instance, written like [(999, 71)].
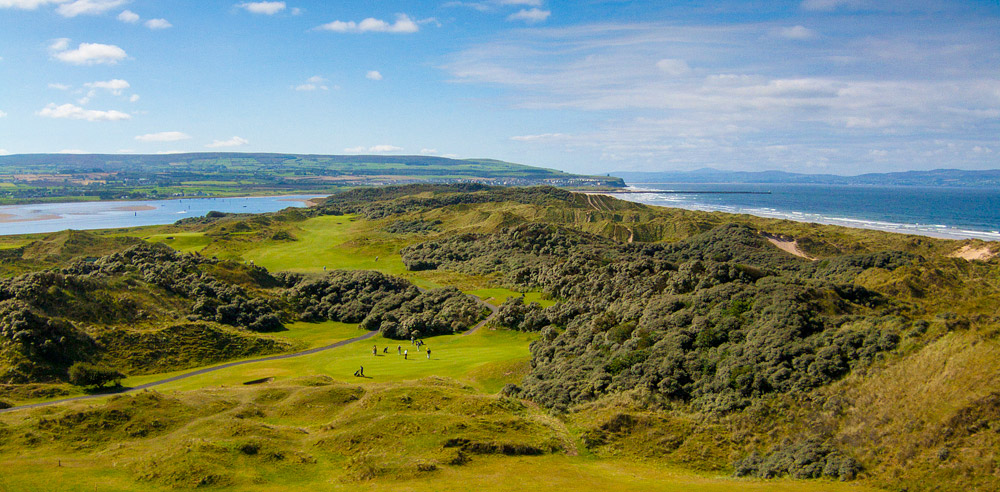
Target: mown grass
[(452, 356)]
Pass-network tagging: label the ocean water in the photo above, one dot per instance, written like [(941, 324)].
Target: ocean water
[(955, 213), (51, 217)]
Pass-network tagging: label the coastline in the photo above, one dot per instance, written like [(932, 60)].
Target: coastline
[(843, 218)]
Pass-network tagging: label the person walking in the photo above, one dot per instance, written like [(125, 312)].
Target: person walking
[(406, 353), (375, 350), (428, 352), (399, 350)]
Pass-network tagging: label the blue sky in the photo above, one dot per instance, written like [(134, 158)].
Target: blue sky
[(833, 86)]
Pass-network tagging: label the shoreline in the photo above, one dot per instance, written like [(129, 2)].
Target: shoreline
[(939, 231)]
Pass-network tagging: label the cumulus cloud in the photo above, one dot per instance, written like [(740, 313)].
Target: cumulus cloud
[(158, 24), (73, 112), (4, 152), (373, 75), (115, 86), (798, 33), (531, 16), (403, 25), (266, 8), (232, 142), (163, 137), (375, 149), (314, 83), (59, 87), (88, 7), (87, 53), (133, 98), (26, 4), (128, 16)]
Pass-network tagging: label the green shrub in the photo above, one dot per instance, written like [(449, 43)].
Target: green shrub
[(86, 374)]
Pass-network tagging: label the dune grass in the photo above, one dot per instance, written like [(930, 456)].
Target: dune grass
[(186, 242)]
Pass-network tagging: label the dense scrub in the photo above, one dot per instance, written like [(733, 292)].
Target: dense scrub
[(52, 319), (393, 306), (717, 321)]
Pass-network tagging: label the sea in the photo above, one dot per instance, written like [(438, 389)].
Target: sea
[(953, 213), (51, 217)]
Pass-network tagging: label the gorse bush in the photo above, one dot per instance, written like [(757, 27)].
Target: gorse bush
[(393, 306), (717, 321), (85, 374)]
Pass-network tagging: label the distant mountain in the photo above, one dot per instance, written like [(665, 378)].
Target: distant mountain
[(937, 177)]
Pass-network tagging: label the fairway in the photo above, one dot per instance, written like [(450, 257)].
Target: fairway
[(334, 242), (452, 356)]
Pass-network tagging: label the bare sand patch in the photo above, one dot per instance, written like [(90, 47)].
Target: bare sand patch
[(134, 208), (970, 252), (7, 218), (790, 247)]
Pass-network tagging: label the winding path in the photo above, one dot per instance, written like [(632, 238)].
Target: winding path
[(198, 372), (493, 312)]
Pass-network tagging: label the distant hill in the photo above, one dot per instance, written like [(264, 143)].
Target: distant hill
[(57, 177), (937, 177)]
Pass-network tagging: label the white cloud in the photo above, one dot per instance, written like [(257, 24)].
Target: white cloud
[(266, 8), (798, 33), (403, 25), (158, 24), (313, 83), (133, 98), (375, 149), (88, 7), (232, 142), (88, 53), (532, 16), (163, 137), (544, 137), (530, 3), (72, 112), (26, 4), (373, 75), (673, 67), (128, 16), (60, 44), (3, 114), (115, 86), (296, 11), (59, 87), (4, 152)]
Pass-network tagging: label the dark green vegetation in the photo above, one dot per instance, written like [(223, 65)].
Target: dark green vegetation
[(47, 177), (150, 308), (672, 337)]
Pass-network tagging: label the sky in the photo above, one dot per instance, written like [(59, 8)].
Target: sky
[(590, 86)]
